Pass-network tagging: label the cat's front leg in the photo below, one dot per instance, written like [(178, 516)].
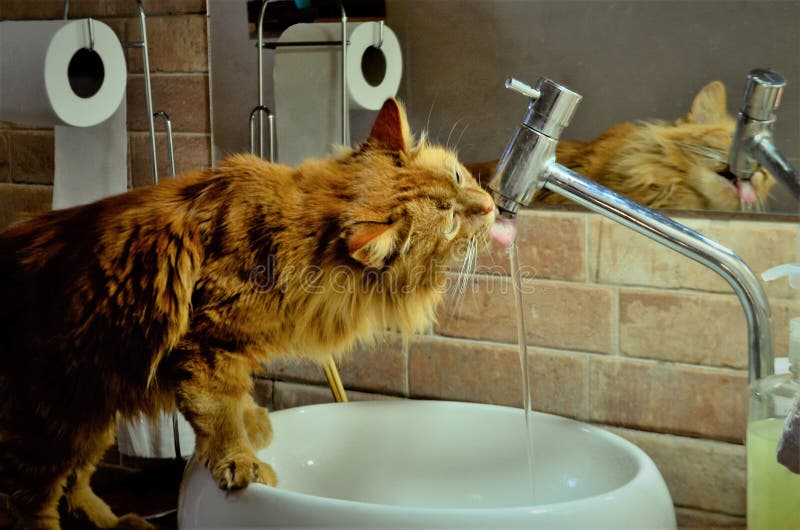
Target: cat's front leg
[(215, 398), (257, 424)]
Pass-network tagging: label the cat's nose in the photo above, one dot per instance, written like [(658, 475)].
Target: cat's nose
[(477, 202), (486, 206)]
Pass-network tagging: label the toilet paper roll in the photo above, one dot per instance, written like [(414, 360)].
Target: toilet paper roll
[(49, 76), (70, 75), (307, 82), (91, 162), (373, 74)]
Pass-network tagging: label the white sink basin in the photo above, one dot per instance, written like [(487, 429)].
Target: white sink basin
[(423, 464)]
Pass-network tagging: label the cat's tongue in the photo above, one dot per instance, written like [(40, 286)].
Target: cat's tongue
[(747, 193), (503, 231)]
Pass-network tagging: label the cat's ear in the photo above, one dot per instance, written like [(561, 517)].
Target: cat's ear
[(390, 130), (710, 105), (372, 244)]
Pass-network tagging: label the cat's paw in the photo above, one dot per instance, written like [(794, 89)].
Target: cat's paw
[(133, 522), (239, 471), (257, 424)]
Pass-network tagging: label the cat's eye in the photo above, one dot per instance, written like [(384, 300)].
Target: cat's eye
[(458, 177)]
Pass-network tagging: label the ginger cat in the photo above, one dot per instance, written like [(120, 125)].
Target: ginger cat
[(172, 295), (681, 165)]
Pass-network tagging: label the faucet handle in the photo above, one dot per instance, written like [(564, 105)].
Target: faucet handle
[(762, 94), (523, 88)]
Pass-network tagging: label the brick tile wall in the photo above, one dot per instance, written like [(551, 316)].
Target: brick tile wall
[(177, 38)]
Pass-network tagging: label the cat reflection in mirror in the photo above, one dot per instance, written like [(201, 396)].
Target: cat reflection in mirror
[(681, 164), (173, 295)]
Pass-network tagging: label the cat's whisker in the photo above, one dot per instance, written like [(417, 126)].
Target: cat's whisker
[(464, 275), (455, 296), (460, 136), (472, 254), (430, 113), (450, 134)]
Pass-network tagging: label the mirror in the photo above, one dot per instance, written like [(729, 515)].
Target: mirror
[(630, 60)]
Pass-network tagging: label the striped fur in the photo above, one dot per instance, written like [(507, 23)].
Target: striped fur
[(174, 294)]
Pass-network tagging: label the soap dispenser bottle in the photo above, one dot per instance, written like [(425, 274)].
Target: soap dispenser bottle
[(773, 491)]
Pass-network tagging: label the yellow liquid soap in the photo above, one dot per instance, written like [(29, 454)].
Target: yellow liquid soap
[(773, 492)]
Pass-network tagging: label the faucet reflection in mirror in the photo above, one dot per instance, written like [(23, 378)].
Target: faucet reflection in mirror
[(753, 144), (679, 164)]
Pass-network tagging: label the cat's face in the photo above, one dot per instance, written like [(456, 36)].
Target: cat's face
[(694, 155), (418, 207)]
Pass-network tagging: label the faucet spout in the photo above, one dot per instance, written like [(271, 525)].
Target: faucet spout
[(686, 241), (534, 143), (529, 164), (766, 153), (753, 143)]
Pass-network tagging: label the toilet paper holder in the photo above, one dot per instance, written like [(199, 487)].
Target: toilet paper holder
[(151, 115), (330, 369), (262, 110)]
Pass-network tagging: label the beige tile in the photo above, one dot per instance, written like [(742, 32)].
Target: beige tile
[(573, 317), (32, 156), (191, 152), (485, 311), (683, 326), (701, 474), (184, 98), (464, 371), (5, 167), (175, 44), (697, 519), (19, 199), (292, 368), (670, 398), (479, 372), (619, 256), (379, 368), (120, 28), (262, 391), (289, 395), (551, 246), (782, 312), (558, 315)]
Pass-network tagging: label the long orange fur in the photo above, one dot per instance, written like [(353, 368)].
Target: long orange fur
[(175, 294)]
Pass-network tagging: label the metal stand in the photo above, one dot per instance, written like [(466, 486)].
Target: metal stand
[(261, 109), (331, 371), (148, 94), (170, 146), (271, 126)]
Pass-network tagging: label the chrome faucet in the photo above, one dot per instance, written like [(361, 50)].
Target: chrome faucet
[(752, 144), (529, 164)]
